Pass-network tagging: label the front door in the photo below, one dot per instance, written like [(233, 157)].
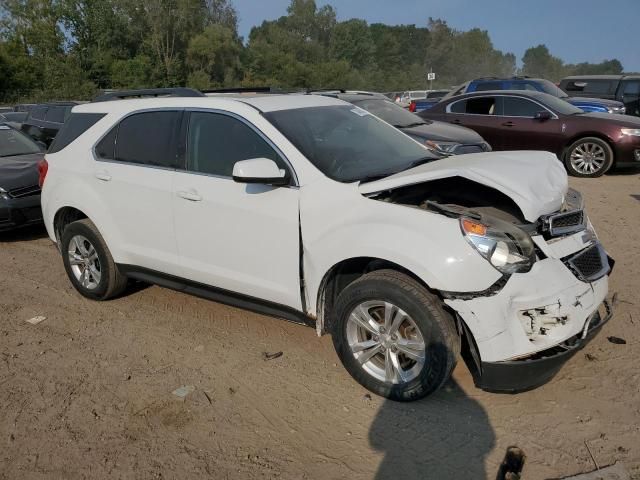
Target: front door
[(242, 238), (522, 131)]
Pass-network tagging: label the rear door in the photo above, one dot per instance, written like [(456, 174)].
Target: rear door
[(133, 175), (630, 96), (479, 114), (521, 131), (242, 238)]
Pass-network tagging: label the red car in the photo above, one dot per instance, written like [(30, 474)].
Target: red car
[(589, 144)]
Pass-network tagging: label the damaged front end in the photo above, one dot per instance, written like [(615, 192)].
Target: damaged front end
[(551, 298)]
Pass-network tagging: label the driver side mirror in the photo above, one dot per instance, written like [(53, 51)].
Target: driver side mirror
[(259, 170), (543, 115)]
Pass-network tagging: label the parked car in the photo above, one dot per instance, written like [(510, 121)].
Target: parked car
[(19, 189), (539, 85), (433, 97), (23, 107), (45, 120), (623, 88), (311, 209), (13, 119), (440, 137), (589, 144)]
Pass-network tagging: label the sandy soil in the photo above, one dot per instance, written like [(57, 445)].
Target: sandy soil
[(87, 392)]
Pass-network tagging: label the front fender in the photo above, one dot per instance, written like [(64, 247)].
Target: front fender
[(338, 224)]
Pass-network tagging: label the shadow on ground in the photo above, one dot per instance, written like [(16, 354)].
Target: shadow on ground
[(24, 234), (447, 435)]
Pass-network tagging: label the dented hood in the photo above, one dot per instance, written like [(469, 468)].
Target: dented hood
[(535, 181)]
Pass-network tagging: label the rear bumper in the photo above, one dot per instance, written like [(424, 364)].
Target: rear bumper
[(20, 212), (528, 373)]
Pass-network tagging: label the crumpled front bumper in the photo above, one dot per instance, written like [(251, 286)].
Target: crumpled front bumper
[(531, 372)]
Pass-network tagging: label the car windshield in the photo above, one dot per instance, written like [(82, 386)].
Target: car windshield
[(561, 106), (347, 143), (390, 113), (552, 89), (13, 143)]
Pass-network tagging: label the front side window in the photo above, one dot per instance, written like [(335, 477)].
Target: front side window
[(348, 144), (632, 88), (148, 138), (38, 113), (215, 142), (519, 107)]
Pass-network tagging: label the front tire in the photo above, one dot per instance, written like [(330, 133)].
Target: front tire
[(588, 157), (394, 337), (89, 263)]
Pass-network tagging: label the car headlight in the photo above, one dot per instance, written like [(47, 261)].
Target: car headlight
[(505, 246), (632, 132), (443, 148), (618, 110), (3, 194)]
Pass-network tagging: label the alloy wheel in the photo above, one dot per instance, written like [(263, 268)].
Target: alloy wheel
[(84, 262), (588, 158), (386, 342)]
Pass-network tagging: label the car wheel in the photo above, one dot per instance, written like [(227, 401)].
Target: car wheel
[(394, 337), (588, 157), (89, 263)]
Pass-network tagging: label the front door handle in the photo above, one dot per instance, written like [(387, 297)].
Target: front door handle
[(190, 195), (508, 124), (103, 175)]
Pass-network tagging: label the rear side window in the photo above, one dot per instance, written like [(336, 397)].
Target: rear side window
[(458, 107), (38, 113), (55, 114), (599, 86), (149, 138), (216, 142), (631, 88), (76, 125), (476, 106)]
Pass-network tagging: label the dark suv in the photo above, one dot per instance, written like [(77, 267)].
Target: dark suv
[(46, 119), (623, 88), (539, 85)]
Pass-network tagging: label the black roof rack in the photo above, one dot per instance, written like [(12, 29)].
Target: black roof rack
[(148, 92), (245, 90)]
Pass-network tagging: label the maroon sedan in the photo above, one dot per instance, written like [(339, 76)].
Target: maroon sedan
[(589, 144)]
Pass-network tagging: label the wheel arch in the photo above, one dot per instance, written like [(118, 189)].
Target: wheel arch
[(589, 134), (63, 217)]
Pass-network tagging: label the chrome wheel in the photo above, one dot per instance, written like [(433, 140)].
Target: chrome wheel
[(84, 262), (588, 158), (386, 342)]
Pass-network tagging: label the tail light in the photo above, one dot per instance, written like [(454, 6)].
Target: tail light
[(43, 168), (412, 106)]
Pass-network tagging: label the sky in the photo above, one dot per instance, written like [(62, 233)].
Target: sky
[(574, 30)]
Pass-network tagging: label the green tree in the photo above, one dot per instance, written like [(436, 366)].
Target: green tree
[(538, 62), (215, 53), (351, 41)]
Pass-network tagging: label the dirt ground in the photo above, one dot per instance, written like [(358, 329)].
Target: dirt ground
[(87, 393)]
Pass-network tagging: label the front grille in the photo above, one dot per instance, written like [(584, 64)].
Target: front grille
[(564, 220), (24, 191), (590, 264)]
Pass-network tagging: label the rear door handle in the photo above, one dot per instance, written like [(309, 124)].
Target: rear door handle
[(190, 195), (103, 175), (508, 124)]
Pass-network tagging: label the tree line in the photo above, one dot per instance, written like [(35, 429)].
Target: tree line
[(72, 49)]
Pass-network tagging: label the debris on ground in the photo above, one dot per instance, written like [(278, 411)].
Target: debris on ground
[(183, 391), (512, 465), (617, 471), (36, 320), (208, 397), (591, 358), (199, 348), (271, 356), (617, 340), (367, 396)]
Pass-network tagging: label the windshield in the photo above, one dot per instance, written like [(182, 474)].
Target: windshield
[(552, 89), (13, 142), (348, 144), (390, 112), (561, 106)]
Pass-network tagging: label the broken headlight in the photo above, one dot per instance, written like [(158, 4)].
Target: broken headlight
[(505, 246)]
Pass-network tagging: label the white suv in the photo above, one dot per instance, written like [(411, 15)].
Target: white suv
[(308, 208)]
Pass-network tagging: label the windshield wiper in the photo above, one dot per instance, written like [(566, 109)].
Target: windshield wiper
[(409, 125)]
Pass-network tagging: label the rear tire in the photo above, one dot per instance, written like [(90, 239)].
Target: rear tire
[(89, 263), (588, 157), (407, 345)]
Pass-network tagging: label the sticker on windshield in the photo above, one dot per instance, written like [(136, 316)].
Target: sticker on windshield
[(360, 111)]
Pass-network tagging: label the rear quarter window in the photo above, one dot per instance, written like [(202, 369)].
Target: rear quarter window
[(76, 125)]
